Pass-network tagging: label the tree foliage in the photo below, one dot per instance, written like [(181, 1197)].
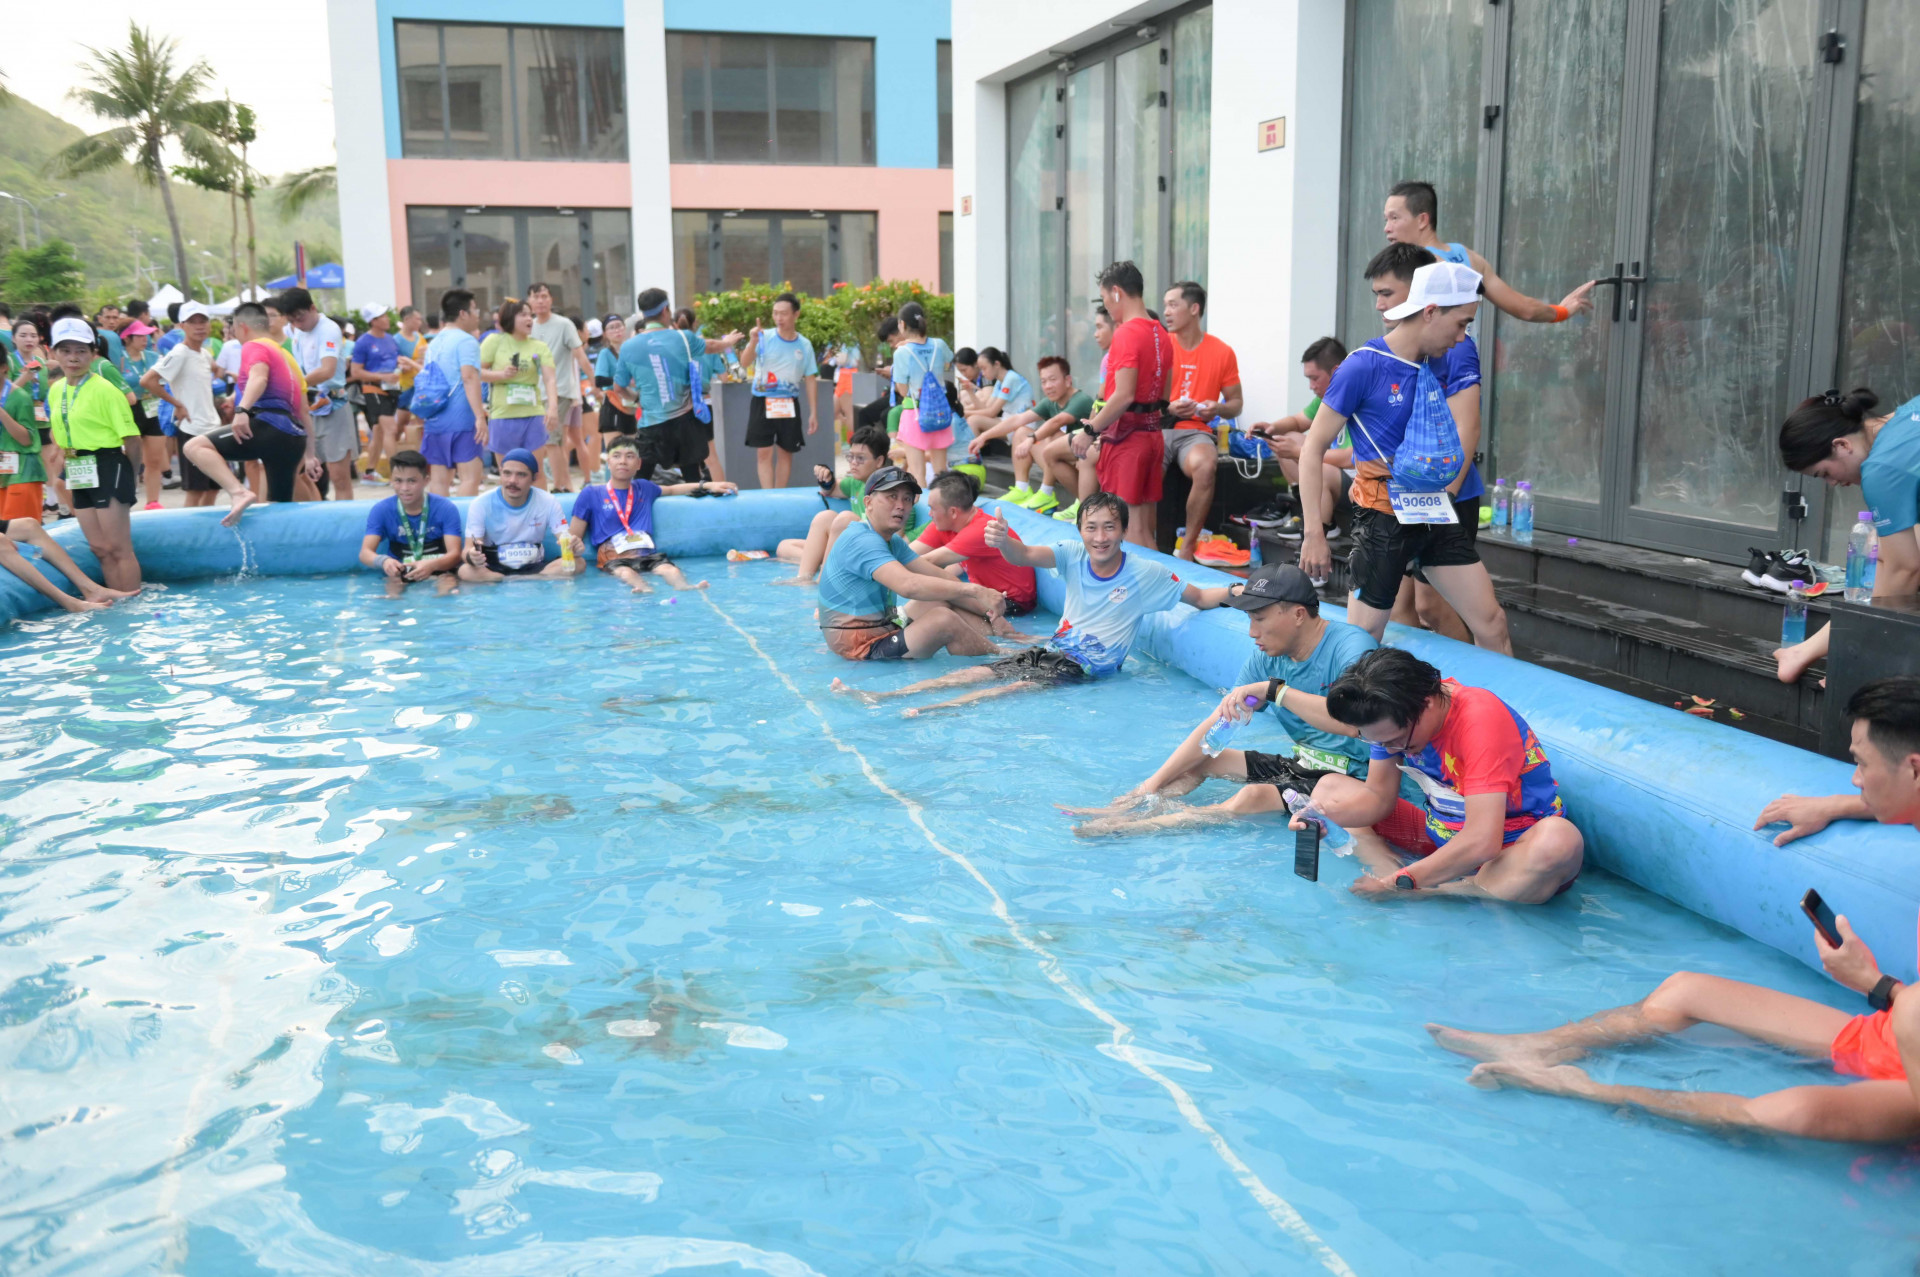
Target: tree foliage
[(847, 316), (296, 191), (50, 273)]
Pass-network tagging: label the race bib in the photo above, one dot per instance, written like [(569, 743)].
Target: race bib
[(1320, 760), (83, 472), (9, 463), (520, 396), (519, 554), (1422, 507), (632, 543), (150, 406), (781, 407), (40, 413)]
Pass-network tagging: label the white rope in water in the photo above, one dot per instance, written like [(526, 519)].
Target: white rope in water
[(1277, 1207)]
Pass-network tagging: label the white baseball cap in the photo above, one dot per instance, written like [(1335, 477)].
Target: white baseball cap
[(593, 328), (1441, 284), (189, 310), (371, 312), (71, 329)]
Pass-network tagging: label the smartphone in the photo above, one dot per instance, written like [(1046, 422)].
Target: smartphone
[(1815, 908), (1306, 851)]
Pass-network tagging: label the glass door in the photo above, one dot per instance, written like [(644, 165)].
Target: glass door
[(1086, 215)]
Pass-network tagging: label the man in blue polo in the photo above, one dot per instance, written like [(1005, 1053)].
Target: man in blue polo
[(660, 365)]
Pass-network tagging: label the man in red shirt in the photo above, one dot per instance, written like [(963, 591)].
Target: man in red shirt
[(957, 534), (1206, 386), (1139, 368)]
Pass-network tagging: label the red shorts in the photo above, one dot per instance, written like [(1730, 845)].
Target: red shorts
[(20, 501), (1864, 1047), (1406, 830), (1130, 469)]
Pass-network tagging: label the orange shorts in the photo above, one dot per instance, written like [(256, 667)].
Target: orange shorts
[(1407, 830), (1864, 1047), (877, 641), (842, 382), (21, 501)]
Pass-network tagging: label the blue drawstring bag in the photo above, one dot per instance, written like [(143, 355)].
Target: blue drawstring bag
[(935, 412), (1244, 446), (701, 412), (432, 390), (1430, 455)]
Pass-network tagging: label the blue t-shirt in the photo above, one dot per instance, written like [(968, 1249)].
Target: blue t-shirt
[(492, 521), (606, 364), (1459, 369), (913, 360), (846, 578), (1103, 613), (1339, 647), (116, 349), (779, 364), (1890, 476), (440, 519), (169, 339), (657, 365), (600, 506), (1016, 395), (453, 349), (375, 354)]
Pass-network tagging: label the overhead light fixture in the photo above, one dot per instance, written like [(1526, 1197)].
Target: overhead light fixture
[(564, 212), (477, 208), (815, 213)]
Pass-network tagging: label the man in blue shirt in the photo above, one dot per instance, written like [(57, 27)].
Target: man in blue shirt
[(1300, 653), (420, 531), (785, 374), (872, 562), (452, 437), (662, 367), (374, 364), (615, 518), (1109, 592)]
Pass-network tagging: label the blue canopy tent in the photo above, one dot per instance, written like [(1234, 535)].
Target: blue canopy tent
[(332, 275)]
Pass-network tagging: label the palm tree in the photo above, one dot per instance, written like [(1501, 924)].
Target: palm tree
[(297, 190), (156, 104)]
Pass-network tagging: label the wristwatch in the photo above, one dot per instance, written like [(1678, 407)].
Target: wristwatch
[(1881, 998), (1404, 882), (1276, 687)]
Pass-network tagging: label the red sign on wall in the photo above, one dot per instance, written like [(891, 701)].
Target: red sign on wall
[(1273, 134)]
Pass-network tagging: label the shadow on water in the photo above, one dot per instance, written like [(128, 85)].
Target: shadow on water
[(487, 813), (633, 706)]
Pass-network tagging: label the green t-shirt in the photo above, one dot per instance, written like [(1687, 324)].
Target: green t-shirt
[(92, 416), (855, 491), (525, 393), (20, 462), (1079, 405)]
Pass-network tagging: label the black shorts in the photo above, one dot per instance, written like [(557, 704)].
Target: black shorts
[(678, 443), (192, 477), (1384, 547), (149, 428), (1281, 772), (374, 406), (494, 565), (1042, 665), (615, 422), (1469, 512), (788, 433), (116, 480), (275, 449)]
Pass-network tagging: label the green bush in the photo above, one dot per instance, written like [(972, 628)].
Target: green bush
[(847, 316)]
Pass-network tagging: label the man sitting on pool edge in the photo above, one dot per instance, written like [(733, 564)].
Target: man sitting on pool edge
[(871, 558), (1883, 1048), (1108, 593), (1492, 826), (421, 530), (616, 519), (507, 527)]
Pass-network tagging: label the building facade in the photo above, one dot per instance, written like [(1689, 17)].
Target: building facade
[(613, 145), (1733, 171)]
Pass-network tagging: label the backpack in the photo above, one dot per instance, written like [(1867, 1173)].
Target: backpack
[(935, 412), (1430, 455), (432, 389), (701, 412)]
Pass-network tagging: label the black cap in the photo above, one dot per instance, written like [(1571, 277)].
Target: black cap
[(887, 478), (1274, 583)]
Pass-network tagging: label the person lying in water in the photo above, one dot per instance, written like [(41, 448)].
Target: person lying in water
[(616, 519), (1109, 592), (1882, 1047), (1492, 825), (1300, 654)]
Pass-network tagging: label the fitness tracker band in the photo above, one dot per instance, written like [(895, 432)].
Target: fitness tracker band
[(1881, 998), (1276, 688), (1405, 882)]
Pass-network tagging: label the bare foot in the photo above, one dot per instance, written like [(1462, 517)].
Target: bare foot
[(1484, 1046), (1125, 802), (641, 587), (1531, 1075), (1003, 629), (912, 712), (790, 580), (1792, 662), (1103, 827), (698, 585), (71, 604), (240, 504), (840, 685), (105, 594)]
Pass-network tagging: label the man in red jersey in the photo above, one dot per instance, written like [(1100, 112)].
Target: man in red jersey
[(1139, 365)]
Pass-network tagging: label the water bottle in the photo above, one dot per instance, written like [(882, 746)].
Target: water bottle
[(1793, 622), (1523, 512), (1502, 502), (1863, 545), (1222, 731), (1253, 547), (1331, 835)]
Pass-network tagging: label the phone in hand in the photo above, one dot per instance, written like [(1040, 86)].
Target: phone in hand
[(1822, 916), (1306, 850)]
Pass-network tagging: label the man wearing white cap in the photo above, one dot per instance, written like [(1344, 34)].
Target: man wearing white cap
[(1402, 515), (321, 350), (375, 366), (89, 417)]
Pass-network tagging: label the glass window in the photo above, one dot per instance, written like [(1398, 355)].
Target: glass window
[(604, 57), (860, 247), (946, 252), (693, 270), (746, 249), (477, 91), (1033, 225), (429, 255), (1086, 211), (853, 89), (547, 76), (1879, 340), (687, 140), (737, 83), (488, 241), (1138, 177), (944, 74), (613, 288), (553, 256), (423, 121), (803, 253), (803, 85), (754, 99), (1192, 138), (1415, 114), (1736, 83)]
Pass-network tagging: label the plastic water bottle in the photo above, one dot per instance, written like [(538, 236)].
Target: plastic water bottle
[(1502, 503), (1793, 622), (1331, 835), (1222, 731), (1863, 549), (1253, 547), (1523, 512)]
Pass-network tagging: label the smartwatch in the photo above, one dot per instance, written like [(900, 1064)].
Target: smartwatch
[(1881, 998), (1404, 882), (1276, 687)]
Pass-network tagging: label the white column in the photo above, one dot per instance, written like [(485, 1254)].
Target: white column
[(979, 179), (1273, 251), (647, 154), (360, 147)]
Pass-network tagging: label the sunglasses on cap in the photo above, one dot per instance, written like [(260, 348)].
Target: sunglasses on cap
[(886, 478)]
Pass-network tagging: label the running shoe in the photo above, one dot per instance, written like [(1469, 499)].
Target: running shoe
[(1014, 496), (1043, 503), (1069, 515), (1777, 570), (1219, 552), (1273, 512), (153, 505), (1287, 529)]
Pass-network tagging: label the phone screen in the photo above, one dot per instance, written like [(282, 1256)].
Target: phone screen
[(1306, 851), (1817, 909)]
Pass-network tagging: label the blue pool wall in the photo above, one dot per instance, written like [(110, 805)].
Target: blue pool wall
[(1664, 799)]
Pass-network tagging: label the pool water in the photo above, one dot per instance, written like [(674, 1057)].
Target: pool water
[(547, 928)]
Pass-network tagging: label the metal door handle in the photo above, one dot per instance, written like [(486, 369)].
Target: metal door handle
[(1619, 273), (1633, 282)]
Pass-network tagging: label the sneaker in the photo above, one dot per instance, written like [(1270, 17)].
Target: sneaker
[(1755, 573), (1043, 503), (153, 505), (373, 477), (1273, 512), (1015, 496), (1333, 533), (1287, 529), (1777, 570), (1070, 514)]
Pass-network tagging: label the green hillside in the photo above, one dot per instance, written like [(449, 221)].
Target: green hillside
[(101, 214)]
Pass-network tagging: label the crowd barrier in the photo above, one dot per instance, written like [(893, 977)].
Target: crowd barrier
[(1664, 799)]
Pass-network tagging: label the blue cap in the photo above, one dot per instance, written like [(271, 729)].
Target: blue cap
[(524, 457)]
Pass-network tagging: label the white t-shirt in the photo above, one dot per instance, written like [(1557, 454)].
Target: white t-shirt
[(189, 375), (562, 339), (313, 349), (228, 360)]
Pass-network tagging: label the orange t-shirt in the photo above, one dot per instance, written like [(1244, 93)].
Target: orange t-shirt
[(1204, 372)]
